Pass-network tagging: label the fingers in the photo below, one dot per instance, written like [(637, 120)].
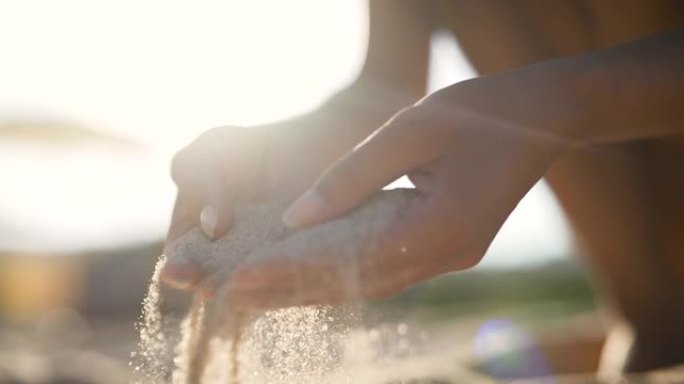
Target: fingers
[(183, 218), (216, 216), (209, 173), (371, 261), (181, 275), (405, 143), (422, 239), (306, 268), (261, 287), (208, 176), (295, 286)]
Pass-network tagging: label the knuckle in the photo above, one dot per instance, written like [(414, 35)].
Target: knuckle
[(462, 249), (467, 259), (411, 116), (436, 119), (418, 131)]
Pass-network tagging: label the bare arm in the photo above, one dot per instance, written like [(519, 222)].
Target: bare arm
[(398, 44), (642, 86), (394, 73), (228, 166), (629, 92), (472, 150)]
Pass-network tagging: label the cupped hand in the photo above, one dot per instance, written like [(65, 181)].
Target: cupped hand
[(472, 152), (229, 166)]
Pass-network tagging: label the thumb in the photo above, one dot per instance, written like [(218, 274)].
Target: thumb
[(216, 214), (216, 219), (213, 205), (403, 144)]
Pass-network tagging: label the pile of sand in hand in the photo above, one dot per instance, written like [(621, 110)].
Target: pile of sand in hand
[(220, 346)]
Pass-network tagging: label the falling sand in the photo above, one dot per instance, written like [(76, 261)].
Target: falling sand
[(299, 344), (294, 345)]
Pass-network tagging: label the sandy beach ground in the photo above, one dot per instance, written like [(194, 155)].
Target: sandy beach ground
[(433, 332), (445, 356)]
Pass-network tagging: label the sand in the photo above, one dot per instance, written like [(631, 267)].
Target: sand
[(306, 342), (151, 359), (258, 232), (301, 344), (254, 226)]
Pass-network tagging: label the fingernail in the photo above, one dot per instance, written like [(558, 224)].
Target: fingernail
[(304, 210), (181, 282), (209, 220), (181, 275)]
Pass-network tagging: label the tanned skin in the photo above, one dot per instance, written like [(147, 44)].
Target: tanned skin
[(589, 94)]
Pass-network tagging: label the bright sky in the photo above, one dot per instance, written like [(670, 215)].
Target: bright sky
[(161, 72)]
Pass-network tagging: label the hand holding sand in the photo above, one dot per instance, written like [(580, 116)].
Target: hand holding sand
[(472, 154), (228, 166), (446, 225)]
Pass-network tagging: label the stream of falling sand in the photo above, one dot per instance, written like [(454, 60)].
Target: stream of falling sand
[(150, 360), (235, 339), (284, 344), (303, 345)]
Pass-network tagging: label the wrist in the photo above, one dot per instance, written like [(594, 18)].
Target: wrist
[(553, 95), (536, 105), (353, 113)]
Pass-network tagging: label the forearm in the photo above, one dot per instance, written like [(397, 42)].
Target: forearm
[(394, 73), (398, 45), (629, 92), (393, 76)]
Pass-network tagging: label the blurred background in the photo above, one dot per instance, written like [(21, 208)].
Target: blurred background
[(95, 97)]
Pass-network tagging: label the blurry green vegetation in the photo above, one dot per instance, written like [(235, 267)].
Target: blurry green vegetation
[(551, 291)]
